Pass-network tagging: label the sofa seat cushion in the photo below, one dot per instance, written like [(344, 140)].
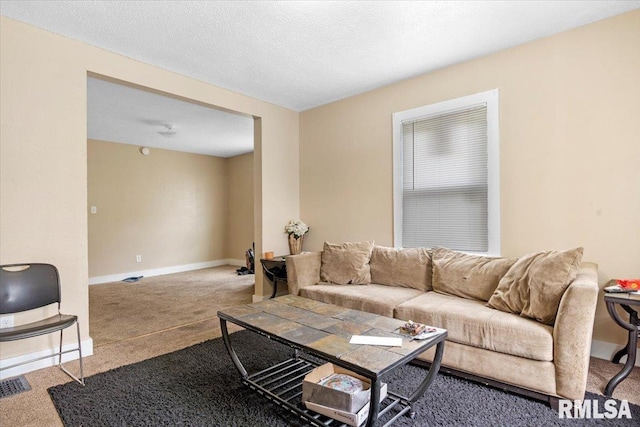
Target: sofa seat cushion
[(372, 298), (472, 323)]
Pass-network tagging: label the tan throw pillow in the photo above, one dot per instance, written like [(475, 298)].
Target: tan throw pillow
[(406, 267), (467, 276), (346, 264), (535, 284)]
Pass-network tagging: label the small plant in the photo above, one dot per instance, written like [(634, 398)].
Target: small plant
[(296, 228)]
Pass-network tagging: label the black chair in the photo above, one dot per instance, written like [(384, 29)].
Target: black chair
[(29, 286)]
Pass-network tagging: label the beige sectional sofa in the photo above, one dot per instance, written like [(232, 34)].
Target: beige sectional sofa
[(521, 324)]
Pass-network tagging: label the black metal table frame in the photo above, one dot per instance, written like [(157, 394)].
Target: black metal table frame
[(253, 380), (274, 278), (633, 327)]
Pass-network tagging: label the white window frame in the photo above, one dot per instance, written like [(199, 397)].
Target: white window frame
[(491, 99)]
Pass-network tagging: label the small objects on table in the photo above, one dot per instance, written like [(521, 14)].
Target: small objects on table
[(629, 284), (412, 328), (623, 286)]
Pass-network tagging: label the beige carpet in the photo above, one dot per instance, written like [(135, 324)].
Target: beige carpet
[(117, 343), (121, 310)]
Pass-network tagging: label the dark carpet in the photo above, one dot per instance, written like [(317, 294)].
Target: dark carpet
[(199, 386)]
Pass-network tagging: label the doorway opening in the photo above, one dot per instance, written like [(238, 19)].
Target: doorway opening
[(170, 202)]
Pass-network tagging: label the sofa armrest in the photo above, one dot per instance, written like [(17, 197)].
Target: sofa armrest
[(303, 270), (572, 333)]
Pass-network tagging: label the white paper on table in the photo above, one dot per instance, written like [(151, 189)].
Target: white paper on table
[(369, 340)]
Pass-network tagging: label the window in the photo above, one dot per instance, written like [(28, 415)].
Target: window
[(446, 175)]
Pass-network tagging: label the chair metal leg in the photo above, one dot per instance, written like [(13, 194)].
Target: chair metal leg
[(80, 354), (79, 349), (59, 354), (60, 349)]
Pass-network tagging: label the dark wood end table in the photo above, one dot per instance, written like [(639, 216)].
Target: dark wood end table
[(626, 301), (276, 271)]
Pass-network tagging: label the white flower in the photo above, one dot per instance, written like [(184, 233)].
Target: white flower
[(297, 228)]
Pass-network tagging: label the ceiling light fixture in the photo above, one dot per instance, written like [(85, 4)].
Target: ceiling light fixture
[(169, 132)]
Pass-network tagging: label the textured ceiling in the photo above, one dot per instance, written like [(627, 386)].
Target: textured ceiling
[(127, 115), (301, 54), (297, 54)]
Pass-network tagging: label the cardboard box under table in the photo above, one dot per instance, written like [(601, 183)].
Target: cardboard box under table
[(348, 418), (314, 392)]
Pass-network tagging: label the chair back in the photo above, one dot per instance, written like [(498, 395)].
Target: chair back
[(28, 286)]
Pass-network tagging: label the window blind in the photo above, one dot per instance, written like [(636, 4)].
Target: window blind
[(445, 190)]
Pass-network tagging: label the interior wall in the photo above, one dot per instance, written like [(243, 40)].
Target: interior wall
[(239, 203), (569, 150), (43, 156), (169, 207)]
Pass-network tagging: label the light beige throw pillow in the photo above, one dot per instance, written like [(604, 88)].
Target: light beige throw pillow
[(467, 276), (405, 267), (535, 284), (347, 263)]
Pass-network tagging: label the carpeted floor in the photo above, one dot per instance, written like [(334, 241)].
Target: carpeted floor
[(121, 310), (199, 386), (35, 408)]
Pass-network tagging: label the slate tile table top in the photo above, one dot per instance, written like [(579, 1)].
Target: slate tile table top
[(324, 330)]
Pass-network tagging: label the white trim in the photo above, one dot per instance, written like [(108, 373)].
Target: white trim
[(236, 262), (165, 270), (491, 99), (493, 170), (397, 179), (258, 298), (87, 350), (606, 350)]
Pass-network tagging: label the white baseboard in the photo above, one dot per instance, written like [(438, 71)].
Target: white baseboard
[(164, 270), (606, 350), (258, 298), (237, 262), (87, 350)]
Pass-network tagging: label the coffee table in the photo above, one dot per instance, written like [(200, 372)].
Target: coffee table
[(316, 330)]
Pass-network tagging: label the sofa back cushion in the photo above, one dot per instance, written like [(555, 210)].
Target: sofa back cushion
[(534, 285), (406, 267), (346, 263), (467, 276)]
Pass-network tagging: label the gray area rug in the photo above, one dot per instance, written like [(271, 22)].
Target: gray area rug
[(199, 386)]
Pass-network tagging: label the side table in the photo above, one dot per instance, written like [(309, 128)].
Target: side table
[(276, 271), (626, 301)]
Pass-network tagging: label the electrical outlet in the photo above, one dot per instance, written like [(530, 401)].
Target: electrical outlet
[(138, 258), (6, 322)]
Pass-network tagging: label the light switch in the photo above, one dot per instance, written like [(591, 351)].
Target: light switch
[(94, 209)]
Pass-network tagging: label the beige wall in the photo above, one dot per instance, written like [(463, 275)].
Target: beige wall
[(239, 224), (43, 155), (569, 148), (170, 207)]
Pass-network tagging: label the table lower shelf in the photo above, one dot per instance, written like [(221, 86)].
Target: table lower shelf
[(282, 384)]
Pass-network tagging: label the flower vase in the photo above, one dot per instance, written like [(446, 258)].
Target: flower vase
[(295, 245)]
